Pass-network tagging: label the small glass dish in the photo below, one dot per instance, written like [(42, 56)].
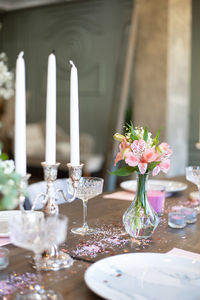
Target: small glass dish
[(190, 214), (4, 258), (176, 220)]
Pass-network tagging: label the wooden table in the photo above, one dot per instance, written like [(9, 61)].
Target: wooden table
[(104, 213)]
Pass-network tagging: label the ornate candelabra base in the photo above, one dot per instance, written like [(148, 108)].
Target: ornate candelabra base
[(54, 259)]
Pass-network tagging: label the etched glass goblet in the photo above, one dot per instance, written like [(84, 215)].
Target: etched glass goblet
[(88, 188), (35, 232), (193, 175)]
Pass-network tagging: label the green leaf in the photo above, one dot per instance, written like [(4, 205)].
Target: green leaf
[(132, 131), (156, 139), (152, 165), (125, 171), (145, 135), (3, 156)]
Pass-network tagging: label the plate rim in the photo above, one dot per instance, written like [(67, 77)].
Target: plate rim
[(104, 294), (183, 188)]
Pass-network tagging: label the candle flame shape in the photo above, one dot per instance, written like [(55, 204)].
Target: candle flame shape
[(71, 63), (21, 54)]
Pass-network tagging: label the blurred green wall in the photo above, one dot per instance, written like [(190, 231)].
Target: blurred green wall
[(194, 154), (88, 32)]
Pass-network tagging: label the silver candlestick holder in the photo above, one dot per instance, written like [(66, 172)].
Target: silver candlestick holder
[(53, 258), (23, 184)]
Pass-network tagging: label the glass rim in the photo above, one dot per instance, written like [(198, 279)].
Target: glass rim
[(90, 178)]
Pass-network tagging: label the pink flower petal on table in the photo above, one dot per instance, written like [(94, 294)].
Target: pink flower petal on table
[(131, 159)]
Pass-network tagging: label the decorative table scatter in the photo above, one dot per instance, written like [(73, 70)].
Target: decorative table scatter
[(18, 281), (142, 154), (108, 239)]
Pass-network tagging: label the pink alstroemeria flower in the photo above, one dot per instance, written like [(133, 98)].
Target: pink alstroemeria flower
[(165, 150), (131, 159), (163, 166), (124, 148), (140, 155)]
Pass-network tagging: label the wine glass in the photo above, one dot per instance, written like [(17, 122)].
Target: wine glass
[(88, 188), (193, 175), (36, 232)]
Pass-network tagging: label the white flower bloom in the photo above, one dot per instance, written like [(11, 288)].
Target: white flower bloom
[(6, 79), (7, 166), (11, 182)]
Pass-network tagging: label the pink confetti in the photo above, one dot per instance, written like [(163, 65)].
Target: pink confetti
[(17, 281), (108, 238)]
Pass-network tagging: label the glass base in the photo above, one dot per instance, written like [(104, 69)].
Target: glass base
[(54, 263), (39, 294), (84, 230)]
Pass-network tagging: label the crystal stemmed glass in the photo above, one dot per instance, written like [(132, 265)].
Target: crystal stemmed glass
[(193, 175), (88, 188), (35, 232)]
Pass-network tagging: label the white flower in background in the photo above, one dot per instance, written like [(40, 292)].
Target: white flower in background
[(7, 166), (6, 78)]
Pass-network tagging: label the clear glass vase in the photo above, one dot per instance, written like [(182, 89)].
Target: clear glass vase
[(140, 219)]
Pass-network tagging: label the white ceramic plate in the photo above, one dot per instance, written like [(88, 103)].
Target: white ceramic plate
[(5, 216), (171, 186), (145, 276)]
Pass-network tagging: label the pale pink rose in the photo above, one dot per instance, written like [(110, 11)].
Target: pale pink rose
[(142, 167), (131, 159)]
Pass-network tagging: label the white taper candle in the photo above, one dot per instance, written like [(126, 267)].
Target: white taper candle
[(50, 153), (74, 117), (20, 117)]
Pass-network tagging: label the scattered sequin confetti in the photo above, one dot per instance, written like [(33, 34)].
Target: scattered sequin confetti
[(108, 238), (17, 281)]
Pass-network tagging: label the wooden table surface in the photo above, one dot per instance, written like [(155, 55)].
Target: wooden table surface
[(105, 214)]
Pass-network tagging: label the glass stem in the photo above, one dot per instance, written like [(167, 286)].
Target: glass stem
[(85, 214), (38, 261)]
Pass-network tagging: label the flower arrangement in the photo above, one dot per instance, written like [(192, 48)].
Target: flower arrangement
[(141, 152), (6, 78), (9, 184)]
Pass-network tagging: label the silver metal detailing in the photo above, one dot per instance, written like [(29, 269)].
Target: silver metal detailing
[(53, 258)]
